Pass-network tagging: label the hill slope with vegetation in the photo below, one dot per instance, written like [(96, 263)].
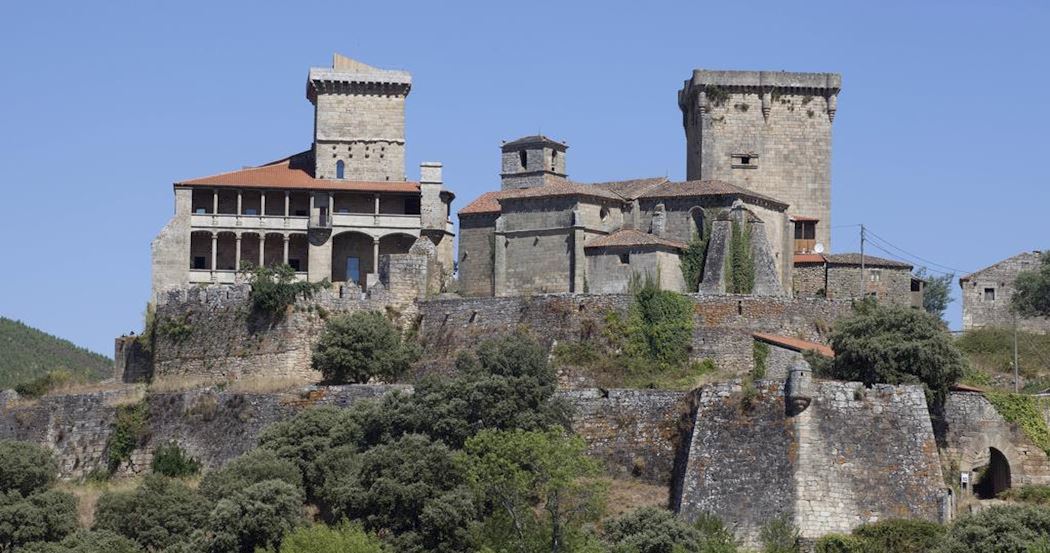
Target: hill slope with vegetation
[(27, 353)]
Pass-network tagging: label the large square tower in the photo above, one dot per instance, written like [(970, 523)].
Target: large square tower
[(359, 121), (768, 131)]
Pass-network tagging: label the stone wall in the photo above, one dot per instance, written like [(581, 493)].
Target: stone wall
[(810, 280), (973, 427), (892, 286), (722, 324), (477, 236), (854, 455), (984, 309)]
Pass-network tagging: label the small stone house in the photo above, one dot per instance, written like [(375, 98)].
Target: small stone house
[(543, 233), (986, 294), (839, 276)]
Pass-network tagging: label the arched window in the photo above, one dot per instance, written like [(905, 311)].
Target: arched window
[(554, 160), (523, 158), (696, 220), (340, 169)]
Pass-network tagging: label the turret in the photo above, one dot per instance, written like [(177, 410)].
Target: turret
[(531, 161)]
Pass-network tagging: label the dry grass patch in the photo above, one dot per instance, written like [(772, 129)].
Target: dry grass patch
[(627, 495), (88, 492), (269, 384), (182, 383)]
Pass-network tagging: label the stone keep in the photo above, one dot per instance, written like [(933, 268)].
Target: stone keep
[(765, 131), (359, 119)]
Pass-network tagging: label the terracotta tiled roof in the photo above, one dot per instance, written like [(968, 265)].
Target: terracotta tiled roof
[(965, 388), (295, 173), (801, 258), (630, 189), (485, 203), (869, 261), (795, 344), (631, 237), (556, 187), (704, 188)]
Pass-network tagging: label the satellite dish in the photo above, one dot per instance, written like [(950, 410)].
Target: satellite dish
[(819, 248)]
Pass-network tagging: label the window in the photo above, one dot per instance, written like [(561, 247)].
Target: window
[(523, 157), (294, 264), (604, 214), (411, 206), (874, 275), (251, 211), (805, 235), (989, 294), (745, 161), (554, 160), (199, 262), (625, 258), (340, 169)]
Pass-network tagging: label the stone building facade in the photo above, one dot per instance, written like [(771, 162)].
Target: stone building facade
[(767, 131), (543, 233), (329, 212), (986, 295), (839, 276)]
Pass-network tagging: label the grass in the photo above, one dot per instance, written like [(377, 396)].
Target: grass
[(254, 384), (991, 350), (627, 495), (88, 491)]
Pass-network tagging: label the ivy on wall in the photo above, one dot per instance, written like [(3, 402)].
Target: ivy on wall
[(740, 264), (1024, 411)]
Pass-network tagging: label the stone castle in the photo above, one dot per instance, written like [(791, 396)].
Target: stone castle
[(555, 256)]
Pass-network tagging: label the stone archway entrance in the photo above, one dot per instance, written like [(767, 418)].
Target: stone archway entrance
[(994, 478)]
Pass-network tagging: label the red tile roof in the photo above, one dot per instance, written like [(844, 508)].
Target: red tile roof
[(294, 173), (485, 203), (869, 261), (559, 187), (795, 344), (631, 237), (802, 258)]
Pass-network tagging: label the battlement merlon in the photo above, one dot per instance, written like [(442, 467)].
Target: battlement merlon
[(325, 80), (762, 83)]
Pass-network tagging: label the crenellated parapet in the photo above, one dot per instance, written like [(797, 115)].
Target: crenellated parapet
[(707, 87)]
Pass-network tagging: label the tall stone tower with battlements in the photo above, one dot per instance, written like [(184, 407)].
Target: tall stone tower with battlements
[(359, 121), (768, 131)]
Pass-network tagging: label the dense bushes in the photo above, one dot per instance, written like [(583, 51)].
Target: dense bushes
[(274, 289), (319, 538), (1003, 529), (29, 510), (159, 513), (894, 345), (171, 460), (655, 530), (1032, 295), (25, 468), (86, 541), (360, 346)]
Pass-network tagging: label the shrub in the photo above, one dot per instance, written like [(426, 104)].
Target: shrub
[(1004, 528), (159, 513), (258, 465), (760, 354), (44, 516), (171, 460), (658, 328), (319, 538), (895, 345), (86, 541), (899, 536), (255, 517), (1031, 297), (25, 468), (412, 488), (651, 530), (43, 384), (274, 289), (779, 535), (740, 264), (837, 543), (359, 346), (714, 536), (1032, 493), (130, 430)]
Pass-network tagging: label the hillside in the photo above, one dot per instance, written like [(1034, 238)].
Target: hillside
[(26, 353)]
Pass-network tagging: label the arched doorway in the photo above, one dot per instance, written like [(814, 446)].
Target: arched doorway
[(993, 478), (396, 243), (352, 257)]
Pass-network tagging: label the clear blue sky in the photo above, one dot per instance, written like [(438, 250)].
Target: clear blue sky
[(940, 140)]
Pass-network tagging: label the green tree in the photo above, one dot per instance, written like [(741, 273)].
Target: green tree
[(319, 538), (157, 514), (170, 460), (359, 346), (255, 517), (899, 536), (258, 465), (1031, 296), (411, 488), (1002, 529), (44, 516), (274, 289), (26, 468), (895, 345), (538, 482), (937, 292), (304, 437), (86, 541)]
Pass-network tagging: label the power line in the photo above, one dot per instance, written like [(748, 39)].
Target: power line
[(924, 260), (899, 258)]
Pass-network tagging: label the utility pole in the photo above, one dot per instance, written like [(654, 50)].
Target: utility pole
[(862, 294)]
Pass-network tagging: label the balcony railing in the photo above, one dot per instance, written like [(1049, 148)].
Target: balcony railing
[(233, 221)]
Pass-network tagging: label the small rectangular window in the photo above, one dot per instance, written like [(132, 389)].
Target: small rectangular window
[(875, 275), (989, 294), (744, 161), (625, 258)]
